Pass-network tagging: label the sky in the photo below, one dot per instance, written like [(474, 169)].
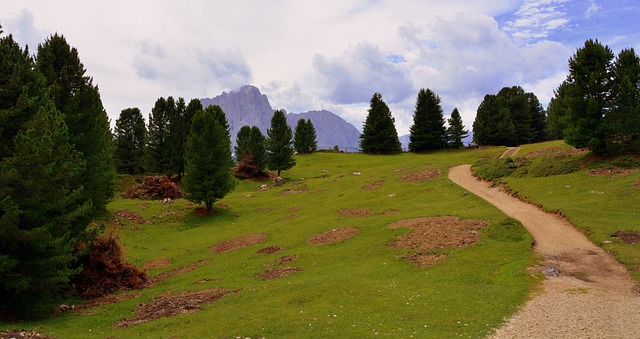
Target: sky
[(330, 54)]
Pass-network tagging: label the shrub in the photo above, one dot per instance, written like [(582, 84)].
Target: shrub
[(154, 187), (497, 168), (555, 166), (507, 230), (105, 273)]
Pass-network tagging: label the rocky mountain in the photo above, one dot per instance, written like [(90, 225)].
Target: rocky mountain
[(247, 106)]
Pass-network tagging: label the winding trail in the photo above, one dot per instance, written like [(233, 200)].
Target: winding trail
[(586, 293)]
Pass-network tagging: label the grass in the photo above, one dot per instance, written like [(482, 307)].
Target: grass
[(357, 288)]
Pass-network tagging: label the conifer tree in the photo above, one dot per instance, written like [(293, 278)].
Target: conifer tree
[(250, 141), (79, 101), (208, 158), (156, 154), (43, 213), (428, 131), (130, 138), (456, 131), (304, 140), (279, 144), (379, 135)]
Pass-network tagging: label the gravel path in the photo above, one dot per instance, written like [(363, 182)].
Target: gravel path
[(586, 293)]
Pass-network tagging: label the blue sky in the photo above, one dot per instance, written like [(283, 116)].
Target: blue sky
[(331, 54)]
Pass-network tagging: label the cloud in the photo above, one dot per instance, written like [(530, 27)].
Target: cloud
[(536, 19), (592, 8), (191, 68), (24, 30), (359, 72)]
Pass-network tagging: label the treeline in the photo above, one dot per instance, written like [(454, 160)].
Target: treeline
[(160, 146), (428, 131), (56, 172)]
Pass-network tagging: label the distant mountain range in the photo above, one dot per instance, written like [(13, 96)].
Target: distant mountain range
[(247, 106)]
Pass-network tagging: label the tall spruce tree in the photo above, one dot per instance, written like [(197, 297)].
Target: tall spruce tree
[(43, 213), (538, 119), (130, 136), (456, 131), (79, 101), (590, 79), (379, 135), (208, 159), (250, 144), (304, 140), (156, 151), (279, 144), (515, 100), (428, 131), (493, 124), (623, 121)]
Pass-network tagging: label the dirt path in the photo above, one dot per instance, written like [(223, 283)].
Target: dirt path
[(587, 293), (510, 152)]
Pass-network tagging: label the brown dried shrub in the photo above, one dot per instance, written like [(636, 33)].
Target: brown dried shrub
[(154, 187), (105, 273), (247, 169)]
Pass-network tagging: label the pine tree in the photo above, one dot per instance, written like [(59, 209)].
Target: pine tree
[(130, 138), (79, 101), (279, 144), (379, 135), (623, 121), (250, 141), (456, 131), (208, 159), (493, 124), (43, 213), (304, 140), (156, 157), (515, 100), (538, 119), (428, 131)]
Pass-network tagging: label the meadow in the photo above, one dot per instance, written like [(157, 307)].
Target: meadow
[(360, 286)]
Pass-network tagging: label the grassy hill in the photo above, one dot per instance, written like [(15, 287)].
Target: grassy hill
[(365, 285)]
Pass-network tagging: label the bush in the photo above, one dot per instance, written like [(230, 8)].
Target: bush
[(105, 273), (507, 230), (555, 166), (154, 187), (497, 168), (247, 169)]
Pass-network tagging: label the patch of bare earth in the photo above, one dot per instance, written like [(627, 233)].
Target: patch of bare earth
[(169, 305), (288, 217), (280, 272), (269, 250), (287, 259), (629, 237), (176, 271), (295, 191), (355, 212), (636, 184), (238, 243), (555, 151), (586, 293), (611, 172), (130, 216), (435, 233), (421, 175), (10, 334), (106, 300), (424, 259), (158, 263), (334, 236), (373, 186)]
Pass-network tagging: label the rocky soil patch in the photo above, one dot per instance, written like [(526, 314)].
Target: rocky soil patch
[(355, 212), (176, 271), (373, 186), (270, 249), (629, 237), (10, 334), (334, 236), (611, 172), (238, 243), (280, 272), (130, 216), (436, 233), (421, 175), (158, 263), (174, 304)]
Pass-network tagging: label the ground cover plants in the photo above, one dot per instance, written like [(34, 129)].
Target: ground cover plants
[(344, 256)]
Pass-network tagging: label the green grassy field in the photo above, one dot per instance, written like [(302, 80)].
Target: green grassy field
[(356, 288)]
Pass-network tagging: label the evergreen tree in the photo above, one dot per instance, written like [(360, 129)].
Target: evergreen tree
[(379, 135), (456, 131), (174, 150), (79, 101), (493, 124), (250, 141), (155, 157), (515, 100), (538, 118), (558, 112), (428, 131), (304, 140), (623, 121), (21, 92), (208, 159), (130, 138), (590, 79), (279, 144), (43, 213)]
